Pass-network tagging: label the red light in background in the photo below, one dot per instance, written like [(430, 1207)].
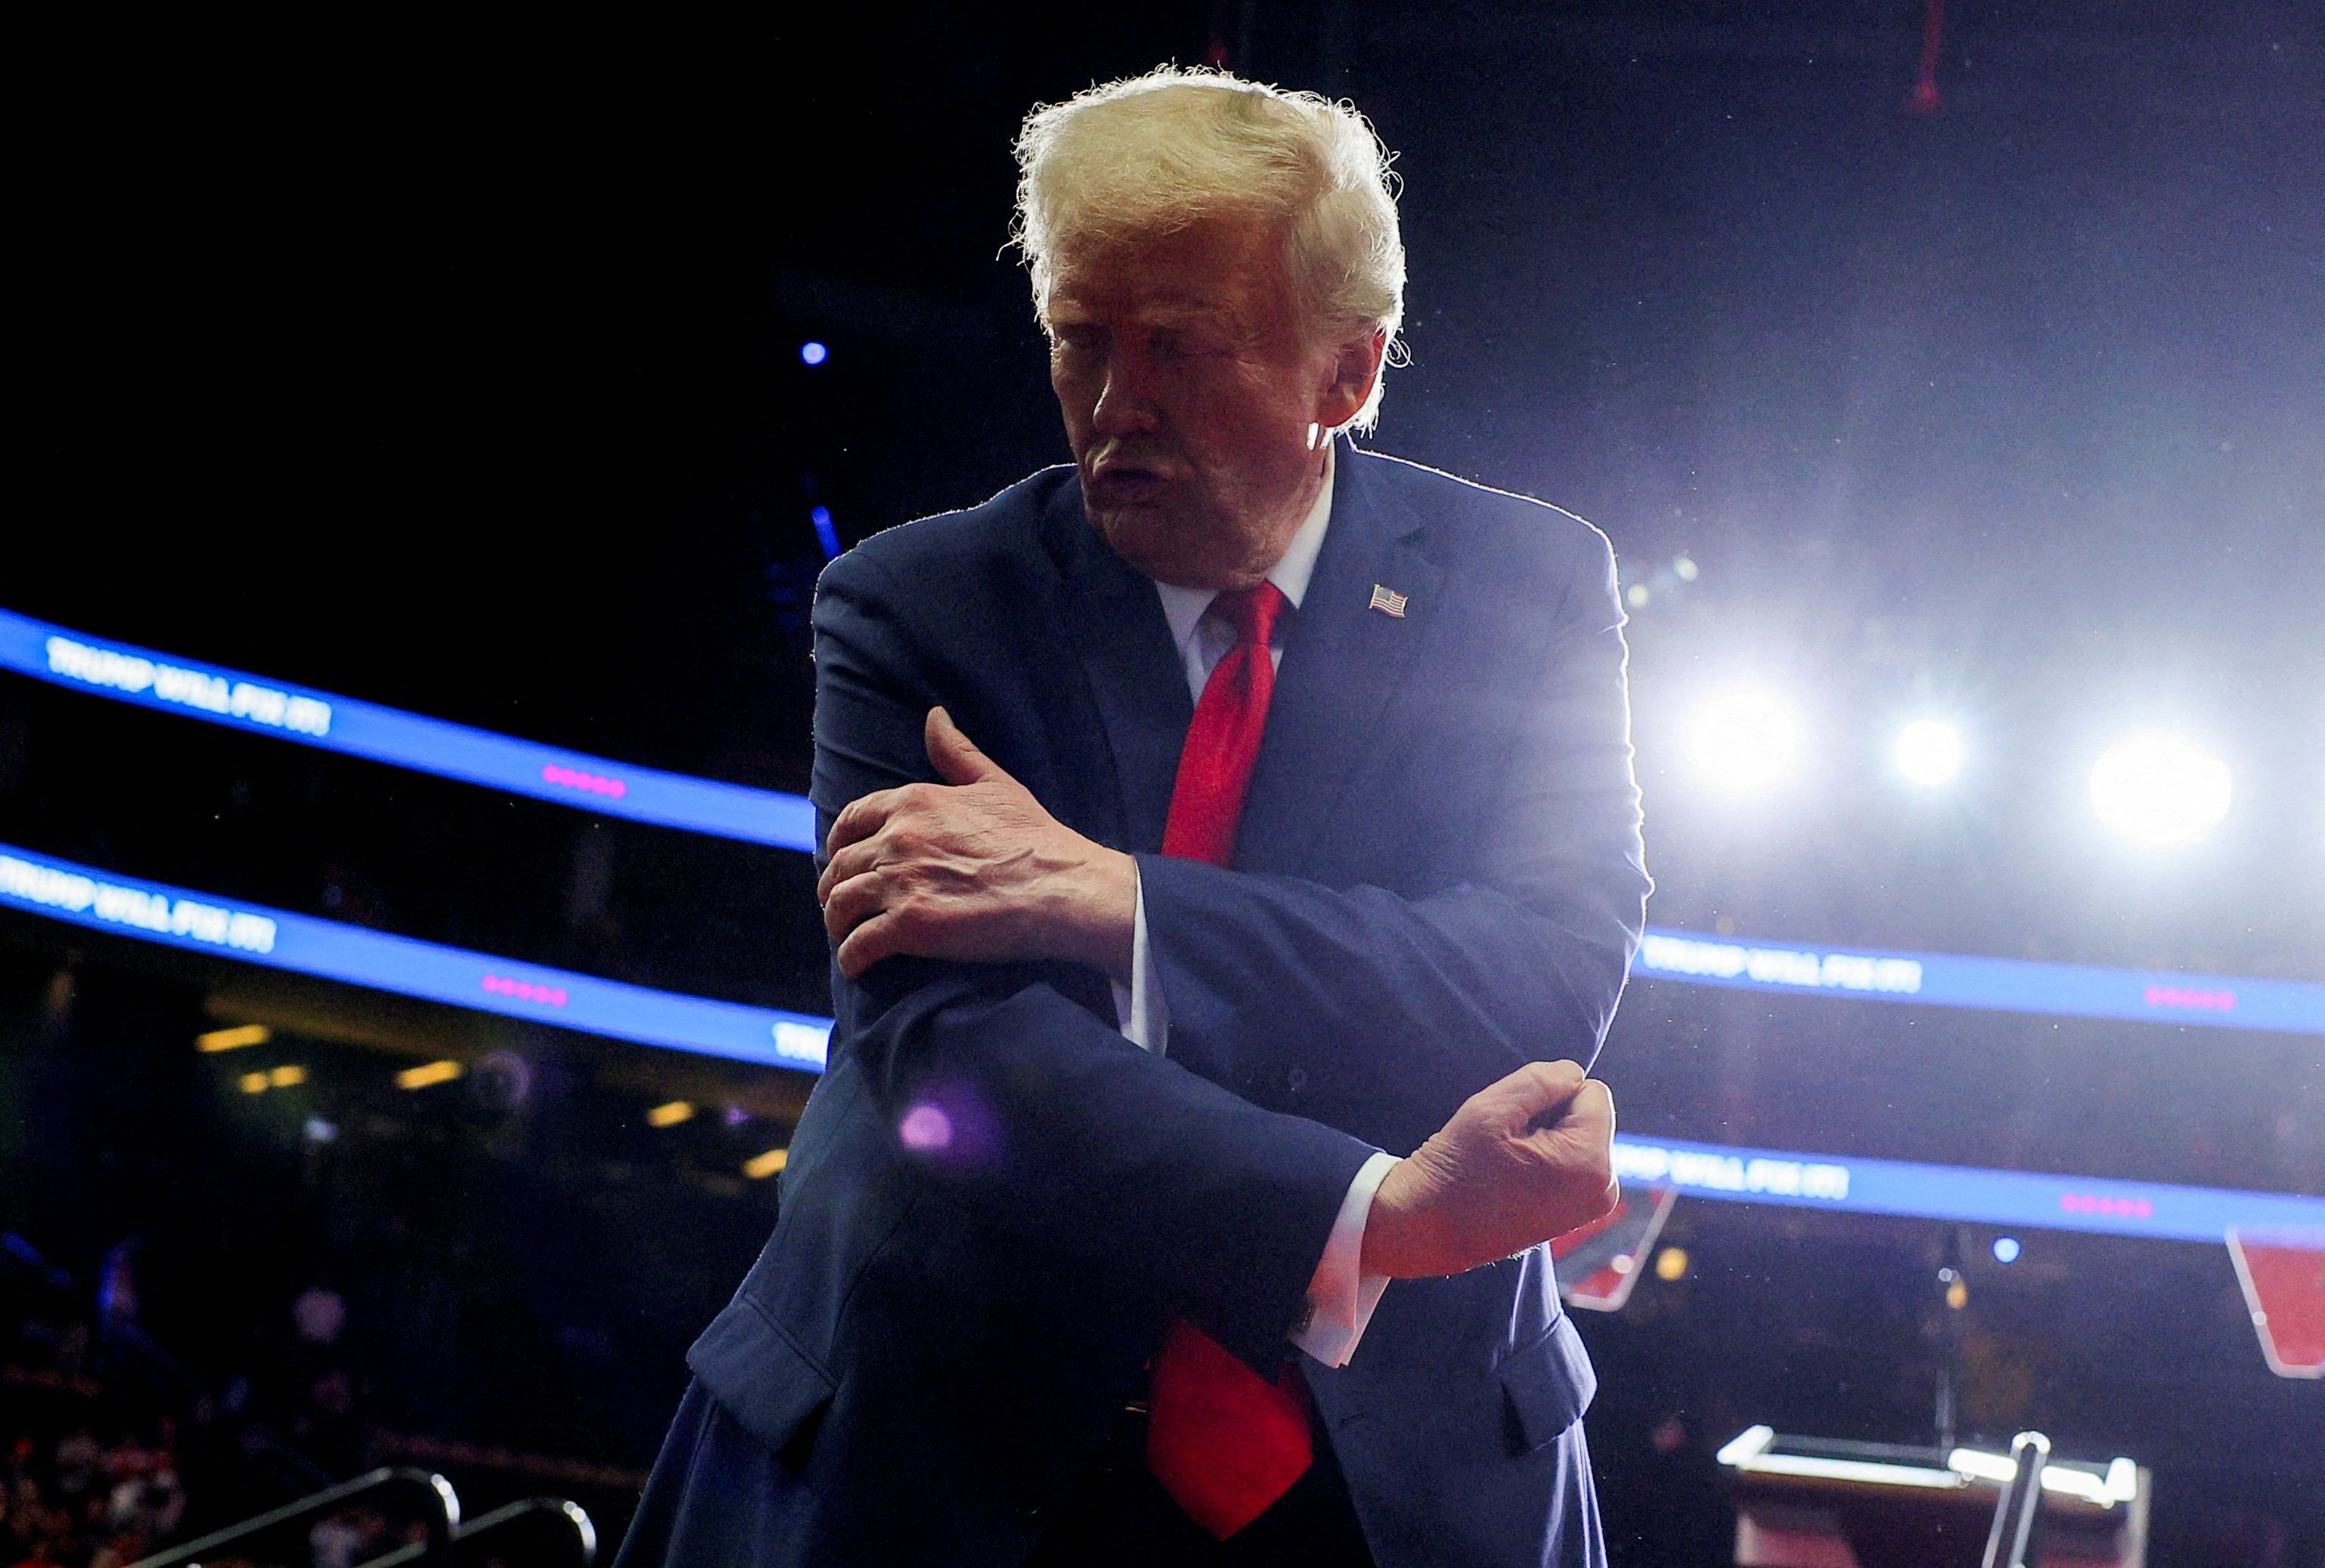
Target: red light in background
[(2283, 1283)]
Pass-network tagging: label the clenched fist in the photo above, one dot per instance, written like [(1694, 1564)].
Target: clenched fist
[(1524, 1159)]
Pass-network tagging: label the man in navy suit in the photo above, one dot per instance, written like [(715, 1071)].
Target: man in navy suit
[(1212, 1029)]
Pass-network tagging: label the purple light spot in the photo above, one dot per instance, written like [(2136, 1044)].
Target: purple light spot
[(925, 1128)]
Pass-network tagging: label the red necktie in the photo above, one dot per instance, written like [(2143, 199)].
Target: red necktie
[(1223, 1441)]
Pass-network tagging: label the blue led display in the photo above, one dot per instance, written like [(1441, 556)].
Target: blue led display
[(1968, 1195), (254, 704), (102, 901), (253, 933), (1995, 985), (366, 729)]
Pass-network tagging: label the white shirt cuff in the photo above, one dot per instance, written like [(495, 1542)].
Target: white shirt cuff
[(1341, 1297), (1138, 1009)]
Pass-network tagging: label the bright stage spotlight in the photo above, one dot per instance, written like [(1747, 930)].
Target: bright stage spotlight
[(2160, 788), (1928, 752), (1743, 738)]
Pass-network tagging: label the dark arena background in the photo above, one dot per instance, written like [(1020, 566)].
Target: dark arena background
[(1950, 379)]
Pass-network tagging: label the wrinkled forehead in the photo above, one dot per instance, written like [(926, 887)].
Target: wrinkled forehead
[(1230, 266)]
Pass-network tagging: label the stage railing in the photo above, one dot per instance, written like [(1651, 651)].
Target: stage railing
[(439, 1513), (572, 1529)]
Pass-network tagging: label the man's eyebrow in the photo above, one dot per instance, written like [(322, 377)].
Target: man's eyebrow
[(1172, 314), (1171, 317), (1166, 311)]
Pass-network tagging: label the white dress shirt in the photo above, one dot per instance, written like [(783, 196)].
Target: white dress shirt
[(1340, 1295)]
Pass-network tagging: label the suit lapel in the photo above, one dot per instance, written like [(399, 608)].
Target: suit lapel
[(1343, 663), (1116, 620)]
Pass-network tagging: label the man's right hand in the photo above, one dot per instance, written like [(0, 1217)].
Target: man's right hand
[(1524, 1159)]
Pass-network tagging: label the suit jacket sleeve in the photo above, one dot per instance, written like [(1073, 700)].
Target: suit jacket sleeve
[(1016, 1092), (1381, 1012)]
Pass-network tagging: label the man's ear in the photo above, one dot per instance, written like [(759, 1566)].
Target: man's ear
[(1354, 371)]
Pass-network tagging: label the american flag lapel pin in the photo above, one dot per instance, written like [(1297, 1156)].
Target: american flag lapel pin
[(1388, 601)]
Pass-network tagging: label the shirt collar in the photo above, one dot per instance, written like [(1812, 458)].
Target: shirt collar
[(1184, 607)]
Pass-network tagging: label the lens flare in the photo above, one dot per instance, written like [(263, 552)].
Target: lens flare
[(1929, 752), (925, 1128), (1744, 739), (2160, 790)]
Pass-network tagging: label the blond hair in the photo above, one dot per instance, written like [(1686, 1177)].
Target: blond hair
[(1155, 153)]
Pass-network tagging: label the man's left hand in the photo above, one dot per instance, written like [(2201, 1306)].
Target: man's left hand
[(973, 870)]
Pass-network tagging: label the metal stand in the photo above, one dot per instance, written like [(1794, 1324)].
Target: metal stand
[(1808, 1502), (2014, 1541), (1953, 1295)]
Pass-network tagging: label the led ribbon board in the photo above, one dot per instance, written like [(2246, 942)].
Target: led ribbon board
[(1993, 985), (1965, 1194), (251, 703), (101, 901), (260, 706), (303, 944)]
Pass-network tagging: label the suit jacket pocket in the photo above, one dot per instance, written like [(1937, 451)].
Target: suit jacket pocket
[(1549, 1384), (763, 1379)]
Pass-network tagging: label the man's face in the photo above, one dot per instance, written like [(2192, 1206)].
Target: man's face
[(1189, 390)]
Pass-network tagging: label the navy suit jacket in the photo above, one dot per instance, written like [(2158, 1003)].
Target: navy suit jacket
[(994, 1203)]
